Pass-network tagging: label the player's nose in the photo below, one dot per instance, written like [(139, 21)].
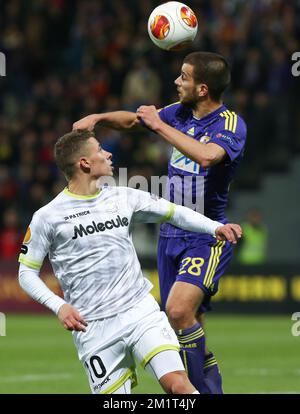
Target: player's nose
[(177, 81), (108, 155)]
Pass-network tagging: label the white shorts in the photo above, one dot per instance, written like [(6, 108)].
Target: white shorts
[(109, 347)]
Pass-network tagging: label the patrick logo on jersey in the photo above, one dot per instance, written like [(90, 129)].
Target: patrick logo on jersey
[(80, 231)]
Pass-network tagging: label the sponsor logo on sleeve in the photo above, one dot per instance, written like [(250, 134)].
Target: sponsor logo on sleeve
[(224, 137), (24, 249), (27, 238)]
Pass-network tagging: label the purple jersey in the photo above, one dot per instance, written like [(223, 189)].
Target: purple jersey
[(203, 189)]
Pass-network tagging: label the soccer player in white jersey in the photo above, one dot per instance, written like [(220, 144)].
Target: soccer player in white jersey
[(86, 233)]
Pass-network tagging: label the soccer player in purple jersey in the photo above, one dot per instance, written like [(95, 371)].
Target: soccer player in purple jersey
[(208, 141)]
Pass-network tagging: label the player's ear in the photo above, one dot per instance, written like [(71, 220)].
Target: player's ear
[(84, 163), (202, 90)]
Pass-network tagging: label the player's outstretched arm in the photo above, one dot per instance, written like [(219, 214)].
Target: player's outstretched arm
[(190, 220), (121, 120), (148, 208), (205, 155)]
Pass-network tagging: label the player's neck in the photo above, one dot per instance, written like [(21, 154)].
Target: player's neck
[(83, 187), (205, 108)]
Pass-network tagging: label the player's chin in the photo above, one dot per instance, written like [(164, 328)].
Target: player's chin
[(186, 101), (180, 98)]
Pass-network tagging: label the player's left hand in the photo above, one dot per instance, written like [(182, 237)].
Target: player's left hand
[(230, 232), (149, 115), (71, 318)]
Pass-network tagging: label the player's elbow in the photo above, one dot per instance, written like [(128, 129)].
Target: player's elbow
[(136, 126), (208, 161), (21, 277), (131, 121), (212, 154), (124, 124)]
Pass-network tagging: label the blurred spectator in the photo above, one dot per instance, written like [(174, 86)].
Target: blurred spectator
[(253, 247), (141, 86), (10, 238), (67, 59)]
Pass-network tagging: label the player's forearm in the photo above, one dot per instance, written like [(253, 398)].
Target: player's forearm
[(32, 284), (194, 150), (117, 120), (189, 220)]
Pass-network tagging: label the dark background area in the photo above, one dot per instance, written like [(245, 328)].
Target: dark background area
[(66, 59)]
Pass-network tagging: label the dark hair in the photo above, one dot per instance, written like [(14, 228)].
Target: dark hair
[(69, 148), (211, 69)]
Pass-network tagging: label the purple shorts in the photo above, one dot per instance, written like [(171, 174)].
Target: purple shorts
[(199, 261)]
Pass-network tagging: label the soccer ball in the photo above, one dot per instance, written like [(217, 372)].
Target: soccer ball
[(172, 26)]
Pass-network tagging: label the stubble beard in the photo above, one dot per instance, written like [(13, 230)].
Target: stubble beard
[(190, 101)]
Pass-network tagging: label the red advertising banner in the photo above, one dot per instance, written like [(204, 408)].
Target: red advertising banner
[(260, 289)]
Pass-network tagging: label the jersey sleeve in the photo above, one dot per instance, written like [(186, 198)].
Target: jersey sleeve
[(230, 135), (149, 208), (167, 114), (36, 242), (32, 284)]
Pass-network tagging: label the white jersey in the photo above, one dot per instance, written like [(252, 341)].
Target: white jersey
[(89, 244)]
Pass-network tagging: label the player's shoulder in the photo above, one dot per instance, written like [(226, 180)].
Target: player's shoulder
[(175, 110), (170, 107), (126, 195), (121, 193), (112, 190), (231, 121), (46, 212)]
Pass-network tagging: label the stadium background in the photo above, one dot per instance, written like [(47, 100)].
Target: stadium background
[(66, 59)]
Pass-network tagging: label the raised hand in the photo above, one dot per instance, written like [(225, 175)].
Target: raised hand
[(149, 115)]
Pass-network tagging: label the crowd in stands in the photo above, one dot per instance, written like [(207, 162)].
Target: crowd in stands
[(66, 59)]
